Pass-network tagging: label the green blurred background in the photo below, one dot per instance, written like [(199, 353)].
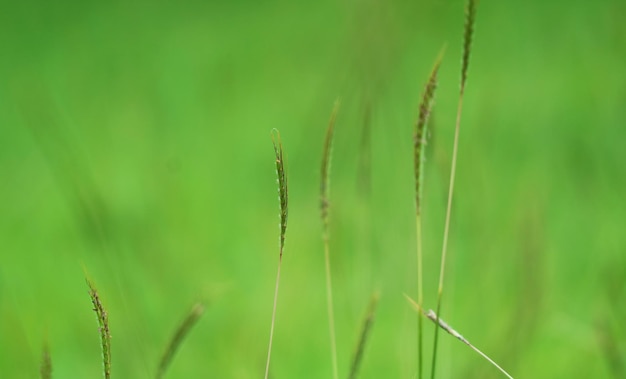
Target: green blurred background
[(135, 145)]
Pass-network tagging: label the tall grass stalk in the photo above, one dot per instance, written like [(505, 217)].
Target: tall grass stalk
[(470, 16), (183, 330), (283, 212), (443, 325), (103, 327), (419, 158), (324, 208), (365, 330)]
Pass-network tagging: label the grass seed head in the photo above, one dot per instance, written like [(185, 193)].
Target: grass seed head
[(419, 141), (283, 193), (103, 326), (325, 170), (470, 18)]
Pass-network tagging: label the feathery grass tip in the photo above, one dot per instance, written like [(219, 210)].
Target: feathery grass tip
[(365, 330), (46, 363), (281, 175), (183, 330), (103, 327), (419, 137), (325, 170), (470, 18)]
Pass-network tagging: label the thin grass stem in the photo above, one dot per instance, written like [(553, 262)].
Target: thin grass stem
[(420, 299), (324, 209), (467, 42), (269, 350), (446, 230)]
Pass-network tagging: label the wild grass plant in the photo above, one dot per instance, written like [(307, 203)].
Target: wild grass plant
[(467, 44), (419, 146), (281, 179), (102, 317)]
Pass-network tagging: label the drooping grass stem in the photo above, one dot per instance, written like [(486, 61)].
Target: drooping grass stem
[(443, 325)]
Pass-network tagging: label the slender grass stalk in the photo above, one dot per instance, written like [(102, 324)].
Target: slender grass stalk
[(470, 16), (324, 208), (183, 330), (443, 325), (419, 139), (46, 363), (103, 327), (283, 212), (365, 330)]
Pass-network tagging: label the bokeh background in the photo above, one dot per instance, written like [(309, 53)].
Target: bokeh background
[(135, 148)]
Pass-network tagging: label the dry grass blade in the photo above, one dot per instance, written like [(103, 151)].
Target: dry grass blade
[(283, 211), (103, 327), (365, 330), (469, 27), (435, 318), (46, 363), (419, 145), (324, 208), (443, 325), (183, 330)]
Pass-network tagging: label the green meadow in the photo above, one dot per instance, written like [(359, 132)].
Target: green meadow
[(136, 151)]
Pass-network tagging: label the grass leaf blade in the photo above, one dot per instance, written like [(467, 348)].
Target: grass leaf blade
[(183, 330), (368, 322)]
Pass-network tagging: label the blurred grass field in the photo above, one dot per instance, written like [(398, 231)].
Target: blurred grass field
[(135, 145)]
